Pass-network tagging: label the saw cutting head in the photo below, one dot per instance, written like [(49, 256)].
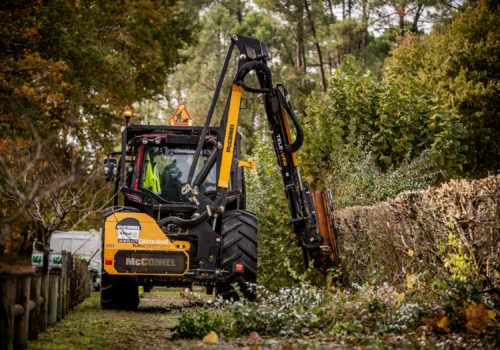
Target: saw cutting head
[(329, 255)]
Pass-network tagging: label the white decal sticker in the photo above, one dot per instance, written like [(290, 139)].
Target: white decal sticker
[(128, 230)]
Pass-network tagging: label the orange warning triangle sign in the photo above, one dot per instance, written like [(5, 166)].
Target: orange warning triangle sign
[(181, 117)]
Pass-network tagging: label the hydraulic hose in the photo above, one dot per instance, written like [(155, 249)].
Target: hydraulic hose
[(188, 223), (184, 223), (299, 140), (247, 68), (264, 69)]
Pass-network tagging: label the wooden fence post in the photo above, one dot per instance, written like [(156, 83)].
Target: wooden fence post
[(61, 310), (64, 296), (53, 284), (34, 319), (59, 297), (8, 292), (44, 308), (28, 303), (64, 263), (22, 308), (68, 290), (71, 272)]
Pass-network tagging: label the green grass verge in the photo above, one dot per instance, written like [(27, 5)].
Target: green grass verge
[(90, 327)]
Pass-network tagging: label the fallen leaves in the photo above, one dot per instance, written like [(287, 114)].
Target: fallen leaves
[(478, 317), (211, 338), (444, 324), (252, 347), (254, 335)]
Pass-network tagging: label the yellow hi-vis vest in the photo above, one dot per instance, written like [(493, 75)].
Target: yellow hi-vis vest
[(151, 178)]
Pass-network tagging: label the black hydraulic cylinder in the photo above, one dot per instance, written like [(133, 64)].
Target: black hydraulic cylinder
[(210, 113)]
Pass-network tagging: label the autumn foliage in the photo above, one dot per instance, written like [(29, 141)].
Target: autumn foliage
[(67, 71)]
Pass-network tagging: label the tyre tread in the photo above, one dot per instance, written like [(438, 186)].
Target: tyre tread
[(239, 245)]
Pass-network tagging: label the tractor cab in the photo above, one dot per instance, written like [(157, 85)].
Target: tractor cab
[(163, 170), (155, 163)]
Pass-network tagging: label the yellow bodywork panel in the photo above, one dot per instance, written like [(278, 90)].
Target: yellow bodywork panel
[(229, 138), (134, 244), (247, 164)]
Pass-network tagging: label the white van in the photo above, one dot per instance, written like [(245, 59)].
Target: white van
[(84, 244)]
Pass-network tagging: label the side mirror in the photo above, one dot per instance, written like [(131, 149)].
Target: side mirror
[(110, 169)]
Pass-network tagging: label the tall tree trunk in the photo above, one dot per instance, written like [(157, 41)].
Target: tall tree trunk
[(364, 26), (303, 50), (299, 48), (401, 11), (239, 10), (316, 45), (414, 27), (330, 7), (349, 8), (364, 22), (300, 51)]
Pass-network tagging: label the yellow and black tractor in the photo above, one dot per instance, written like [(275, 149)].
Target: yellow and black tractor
[(184, 219)]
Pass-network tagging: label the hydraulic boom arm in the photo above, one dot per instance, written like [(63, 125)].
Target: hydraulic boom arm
[(311, 214)]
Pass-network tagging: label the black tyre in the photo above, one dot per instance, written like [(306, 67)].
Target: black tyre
[(119, 292), (239, 246)]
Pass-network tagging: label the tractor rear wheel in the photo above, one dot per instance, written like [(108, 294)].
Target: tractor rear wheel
[(119, 292), (239, 247)]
